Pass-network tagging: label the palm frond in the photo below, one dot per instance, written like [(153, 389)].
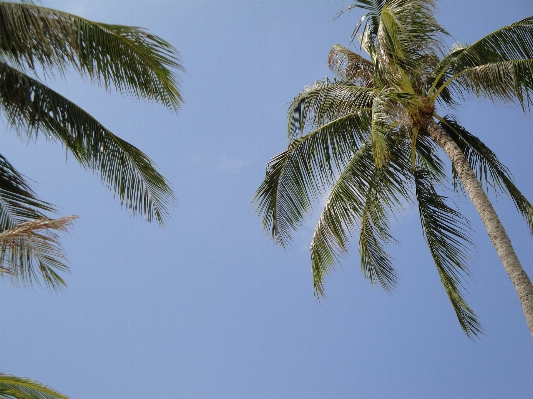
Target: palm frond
[(30, 107), (427, 156), (362, 197), (302, 173), (487, 167), (351, 66), (369, 23), (129, 59), (399, 33), (447, 234), (382, 127), (34, 258), (385, 195), (18, 202), (325, 101), (327, 123), (506, 81), (498, 66), (409, 39), (512, 42), (341, 215), (12, 387), (31, 252), (390, 114)]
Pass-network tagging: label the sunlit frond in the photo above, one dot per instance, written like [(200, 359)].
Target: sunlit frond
[(388, 189), (341, 215), (487, 167), (369, 23), (32, 107), (12, 387), (390, 113), (447, 234), (362, 198), (382, 126), (129, 59)]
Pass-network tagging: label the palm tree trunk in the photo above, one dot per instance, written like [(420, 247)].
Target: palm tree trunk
[(490, 219)]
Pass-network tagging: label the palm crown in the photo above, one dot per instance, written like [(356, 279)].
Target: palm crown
[(136, 63), (368, 142)]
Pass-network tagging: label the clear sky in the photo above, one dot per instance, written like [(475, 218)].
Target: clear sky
[(207, 307)]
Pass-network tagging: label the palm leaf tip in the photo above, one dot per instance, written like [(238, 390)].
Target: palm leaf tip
[(447, 234)]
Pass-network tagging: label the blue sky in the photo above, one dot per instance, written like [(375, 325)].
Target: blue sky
[(207, 307)]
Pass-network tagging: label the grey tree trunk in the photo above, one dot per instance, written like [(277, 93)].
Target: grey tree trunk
[(490, 219)]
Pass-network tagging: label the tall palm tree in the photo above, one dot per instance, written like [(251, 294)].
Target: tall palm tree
[(35, 41), (369, 140), (12, 387)]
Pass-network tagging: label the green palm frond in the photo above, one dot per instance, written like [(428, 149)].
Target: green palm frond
[(325, 101), (12, 387), (512, 42), (398, 33), (390, 114), (31, 252), (505, 81), (427, 156), (382, 127), (487, 167), (362, 197), (498, 66), (302, 173), (38, 256), (376, 264), (129, 59), (447, 234), (373, 7), (30, 107), (341, 215), (18, 202), (385, 194)]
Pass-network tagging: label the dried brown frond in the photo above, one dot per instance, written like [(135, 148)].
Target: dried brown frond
[(351, 66), (31, 251), (37, 231)]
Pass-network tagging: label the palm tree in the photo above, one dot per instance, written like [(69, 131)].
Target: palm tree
[(35, 41), (12, 387), (368, 141)]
